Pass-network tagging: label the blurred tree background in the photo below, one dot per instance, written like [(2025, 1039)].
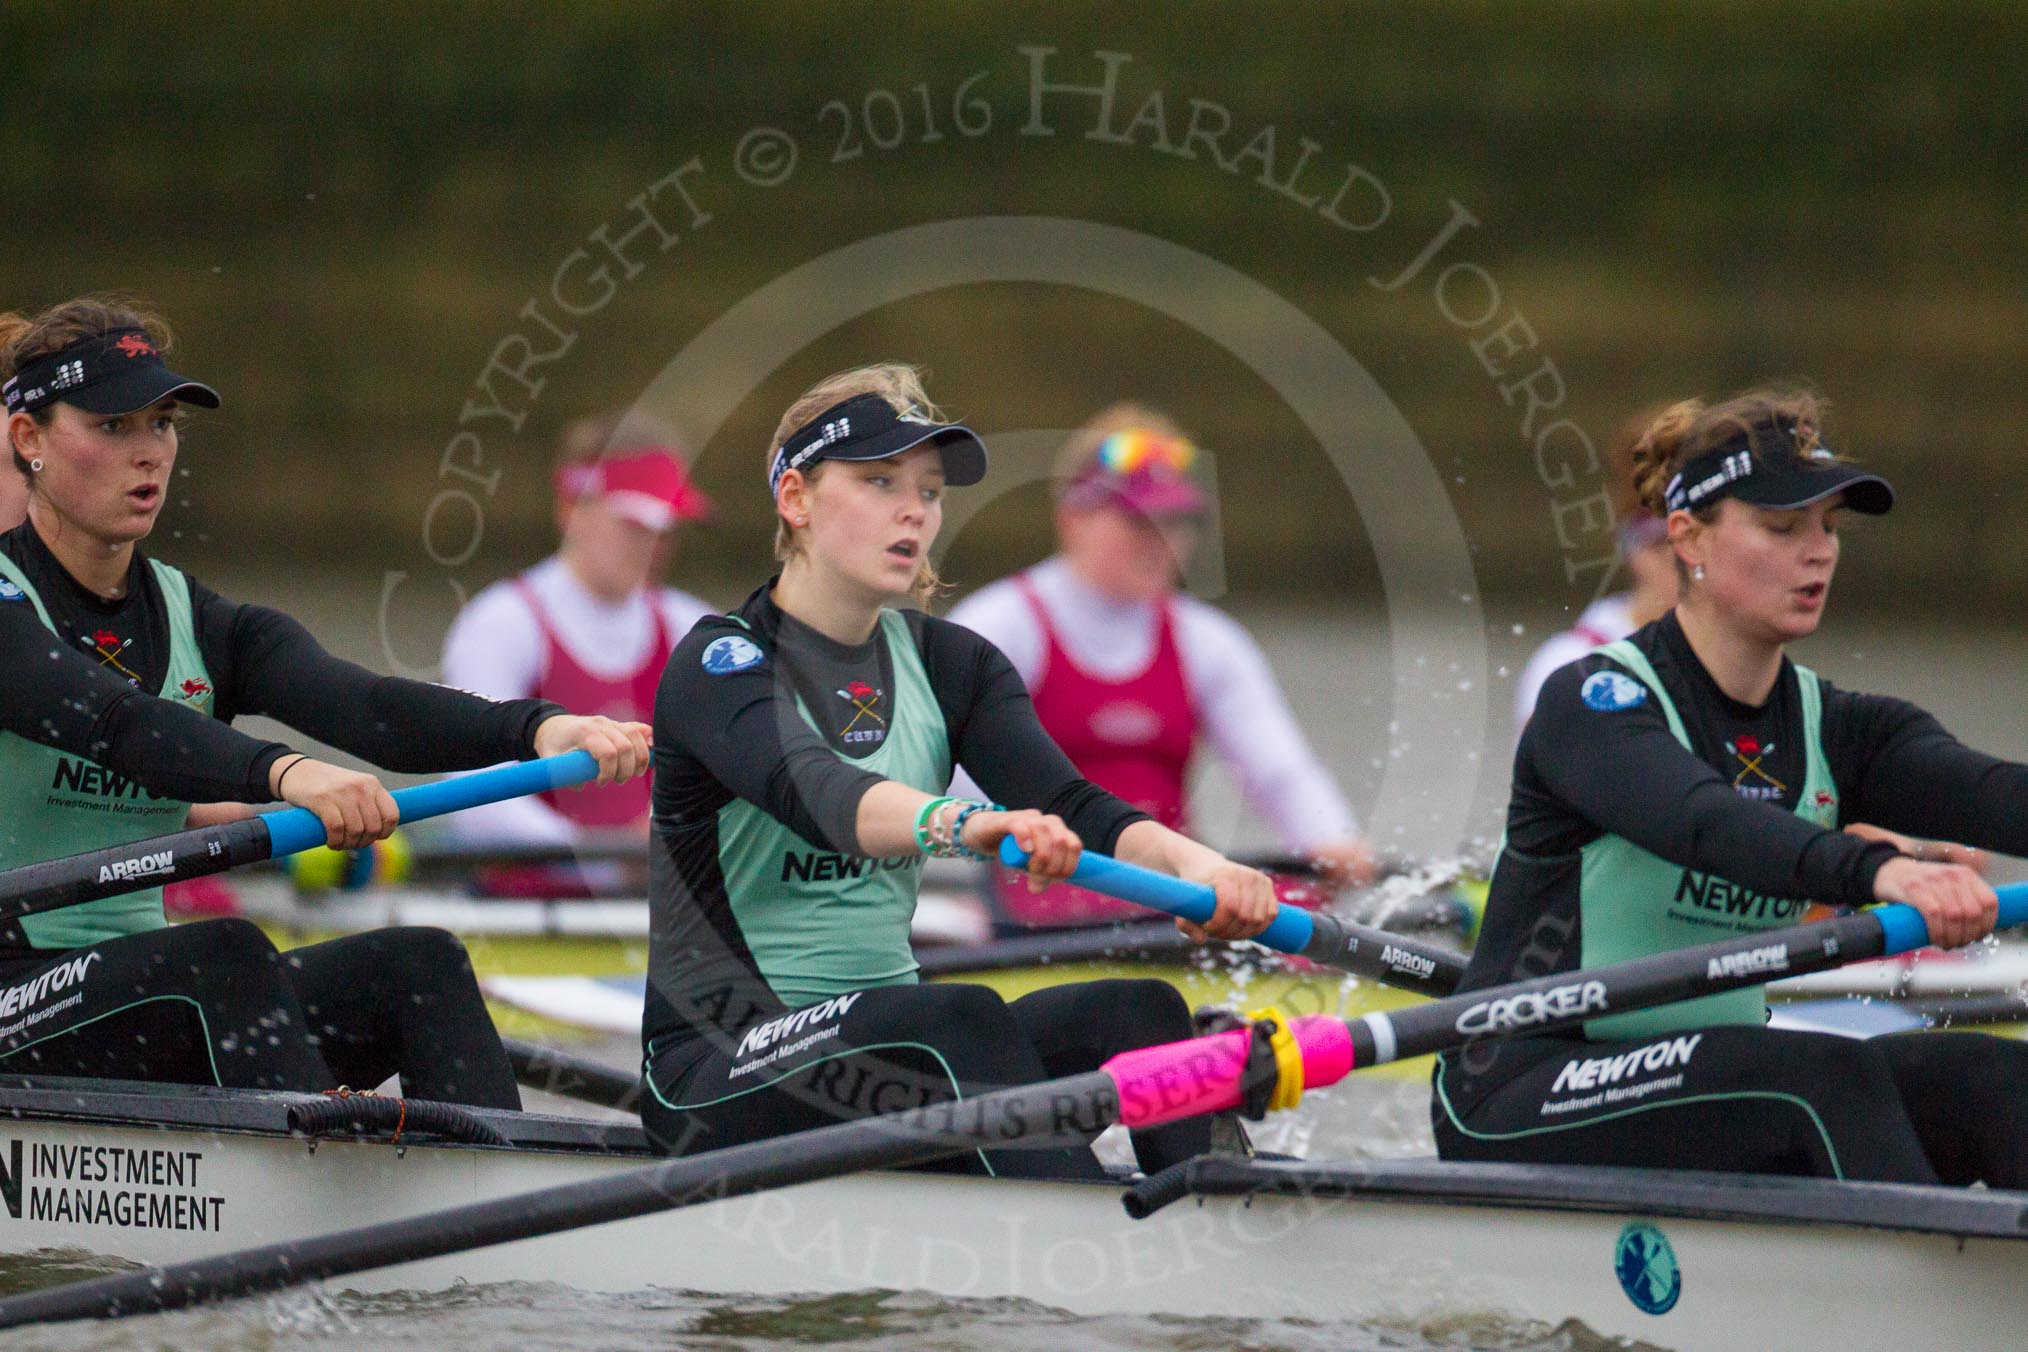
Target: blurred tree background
[(344, 210)]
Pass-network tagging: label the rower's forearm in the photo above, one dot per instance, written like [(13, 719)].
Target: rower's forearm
[(885, 825), (1153, 845)]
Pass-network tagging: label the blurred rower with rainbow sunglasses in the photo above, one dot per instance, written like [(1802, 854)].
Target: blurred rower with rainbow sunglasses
[(1130, 673)]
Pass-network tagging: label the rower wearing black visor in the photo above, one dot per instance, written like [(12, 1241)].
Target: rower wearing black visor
[(122, 678), (1688, 784)]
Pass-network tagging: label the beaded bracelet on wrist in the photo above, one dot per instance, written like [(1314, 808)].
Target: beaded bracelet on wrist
[(958, 827)]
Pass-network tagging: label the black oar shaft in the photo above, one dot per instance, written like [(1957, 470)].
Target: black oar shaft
[(1009, 1117), (568, 1076), (1388, 958), (142, 864), (120, 869), (1097, 943), (1570, 999)]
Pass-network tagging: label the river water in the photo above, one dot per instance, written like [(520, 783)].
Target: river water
[(1339, 670)]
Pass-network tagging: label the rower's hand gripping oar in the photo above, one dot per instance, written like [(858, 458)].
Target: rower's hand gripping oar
[(1140, 1089), (1321, 938), (56, 883)]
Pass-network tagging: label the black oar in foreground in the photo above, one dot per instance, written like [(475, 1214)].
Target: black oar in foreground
[(112, 872), (1268, 1065), (1321, 938), (568, 1075)]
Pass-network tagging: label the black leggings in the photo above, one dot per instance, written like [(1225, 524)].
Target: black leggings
[(214, 1003), (1906, 1108), (893, 1047)]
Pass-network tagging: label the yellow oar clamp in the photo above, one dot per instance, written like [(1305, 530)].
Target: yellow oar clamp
[(1274, 1066)]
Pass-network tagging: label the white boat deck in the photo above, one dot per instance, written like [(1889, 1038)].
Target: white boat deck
[(1721, 1257)]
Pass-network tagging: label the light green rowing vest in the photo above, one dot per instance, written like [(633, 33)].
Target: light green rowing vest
[(821, 924), (54, 804), (1635, 903)]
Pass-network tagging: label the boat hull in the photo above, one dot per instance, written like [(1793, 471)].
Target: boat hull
[(1724, 1261)]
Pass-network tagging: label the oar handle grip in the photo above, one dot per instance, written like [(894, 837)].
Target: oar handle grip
[(294, 829), (117, 869), (1904, 930), (1290, 932), (1390, 958)]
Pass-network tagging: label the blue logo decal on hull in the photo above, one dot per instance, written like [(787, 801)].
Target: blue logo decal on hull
[(1646, 1266)]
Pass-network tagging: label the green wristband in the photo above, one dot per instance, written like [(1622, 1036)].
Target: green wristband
[(922, 819)]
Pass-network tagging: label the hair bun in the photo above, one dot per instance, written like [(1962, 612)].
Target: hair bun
[(1658, 451)]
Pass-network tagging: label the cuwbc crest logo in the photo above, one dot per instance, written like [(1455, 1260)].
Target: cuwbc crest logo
[(1645, 1263), (1609, 692), (732, 653), (132, 345)]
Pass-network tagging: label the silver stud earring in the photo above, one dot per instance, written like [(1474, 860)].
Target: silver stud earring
[(1697, 573), (35, 465)]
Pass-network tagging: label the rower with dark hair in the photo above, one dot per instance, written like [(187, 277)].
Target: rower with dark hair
[(1687, 784), (123, 676)]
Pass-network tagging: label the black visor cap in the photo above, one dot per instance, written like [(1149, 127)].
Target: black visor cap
[(1799, 483), (1763, 466), (112, 373), (139, 388), (866, 427)]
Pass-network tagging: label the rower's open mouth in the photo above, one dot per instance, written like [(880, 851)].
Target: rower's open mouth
[(1813, 591), (905, 549), (147, 495)]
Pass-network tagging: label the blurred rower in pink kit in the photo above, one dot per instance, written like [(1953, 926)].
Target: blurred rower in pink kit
[(1129, 673), (590, 626)]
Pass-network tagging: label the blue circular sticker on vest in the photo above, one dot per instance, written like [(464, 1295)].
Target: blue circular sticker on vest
[(731, 653), (10, 592), (1609, 692), (1646, 1266)]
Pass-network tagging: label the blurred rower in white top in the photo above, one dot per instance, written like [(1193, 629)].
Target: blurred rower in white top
[(590, 623), (1129, 673)]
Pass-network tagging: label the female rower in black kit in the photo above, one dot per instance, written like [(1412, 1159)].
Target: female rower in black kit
[(803, 743), (1686, 784), (122, 678)]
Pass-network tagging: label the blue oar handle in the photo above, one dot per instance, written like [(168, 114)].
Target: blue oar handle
[(293, 829), (1390, 958), (1904, 930), (1290, 932)]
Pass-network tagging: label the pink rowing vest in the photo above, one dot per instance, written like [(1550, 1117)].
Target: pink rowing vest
[(630, 699), (1132, 738)]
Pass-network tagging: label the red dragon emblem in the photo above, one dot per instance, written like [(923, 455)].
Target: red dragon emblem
[(860, 690), (193, 688), (134, 345), (106, 638)]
